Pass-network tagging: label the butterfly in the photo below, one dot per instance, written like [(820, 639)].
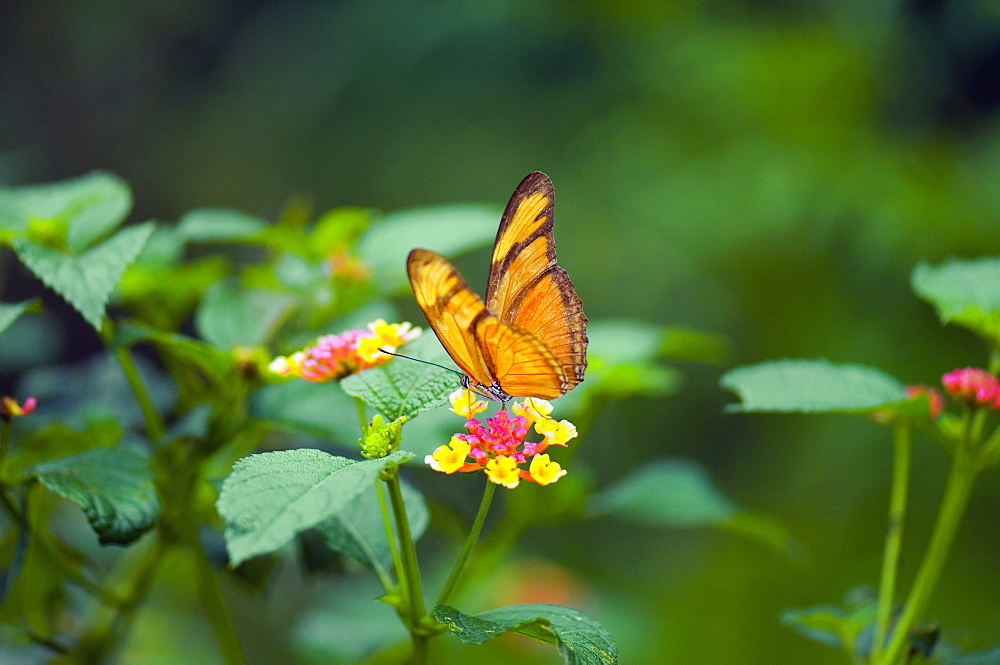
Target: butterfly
[(529, 337)]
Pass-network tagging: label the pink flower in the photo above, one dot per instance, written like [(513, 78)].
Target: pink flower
[(335, 356), (975, 386), (499, 447)]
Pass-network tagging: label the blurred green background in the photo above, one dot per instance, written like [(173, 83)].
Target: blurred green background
[(768, 171)]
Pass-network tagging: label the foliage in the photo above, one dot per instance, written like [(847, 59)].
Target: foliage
[(184, 433)]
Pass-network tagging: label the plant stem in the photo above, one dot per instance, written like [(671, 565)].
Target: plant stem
[(214, 604), (901, 438), (470, 543), (360, 404), (961, 479), (410, 582), (154, 423)]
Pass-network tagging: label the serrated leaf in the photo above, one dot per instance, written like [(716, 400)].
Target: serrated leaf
[(91, 206), (270, 497), (678, 493), (964, 292), (811, 386), (403, 387), (988, 657), (10, 311), (581, 639), (85, 281), (113, 486), (449, 230), (218, 225), (358, 531), (229, 317)]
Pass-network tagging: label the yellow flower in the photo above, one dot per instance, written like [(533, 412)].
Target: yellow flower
[(465, 403), (555, 433), (545, 472), (532, 408), (504, 471), (449, 458)]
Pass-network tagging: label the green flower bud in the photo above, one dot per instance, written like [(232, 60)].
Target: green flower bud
[(381, 438)]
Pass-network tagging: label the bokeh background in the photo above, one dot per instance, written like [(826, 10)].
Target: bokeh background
[(767, 171)]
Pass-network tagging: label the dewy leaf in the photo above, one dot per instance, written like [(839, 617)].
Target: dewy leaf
[(811, 386), (678, 493), (270, 497), (581, 640), (218, 225), (965, 292), (113, 486), (10, 311), (358, 532), (229, 317), (91, 206), (403, 387), (87, 280)]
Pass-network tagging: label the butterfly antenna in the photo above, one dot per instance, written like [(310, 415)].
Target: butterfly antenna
[(426, 362)]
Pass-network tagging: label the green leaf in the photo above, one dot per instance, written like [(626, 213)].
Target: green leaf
[(10, 311), (449, 230), (85, 281), (667, 492), (113, 486), (964, 292), (677, 493), (988, 657), (270, 497), (811, 386), (90, 206), (229, 317), (403, 387), (321, 410), (358, 532), (218, 225), (825, 624), (580, 639)]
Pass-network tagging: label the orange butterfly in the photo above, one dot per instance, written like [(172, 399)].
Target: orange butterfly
[(529, 339)]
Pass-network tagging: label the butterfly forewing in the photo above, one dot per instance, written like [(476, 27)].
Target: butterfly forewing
[(527, 288), (524, 247), (451, 308)]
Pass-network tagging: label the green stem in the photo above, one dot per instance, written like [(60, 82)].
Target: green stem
[(360, 404), (961, 479), (214, 605), (155, 427), (407, 548), (411, 584), (470, 543), (901, 438)]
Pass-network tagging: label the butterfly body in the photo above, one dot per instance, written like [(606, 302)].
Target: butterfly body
[(529, 337)]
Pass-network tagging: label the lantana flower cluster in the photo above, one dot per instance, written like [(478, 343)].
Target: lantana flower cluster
[(973, 385), (498, 447), (335, 356)]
